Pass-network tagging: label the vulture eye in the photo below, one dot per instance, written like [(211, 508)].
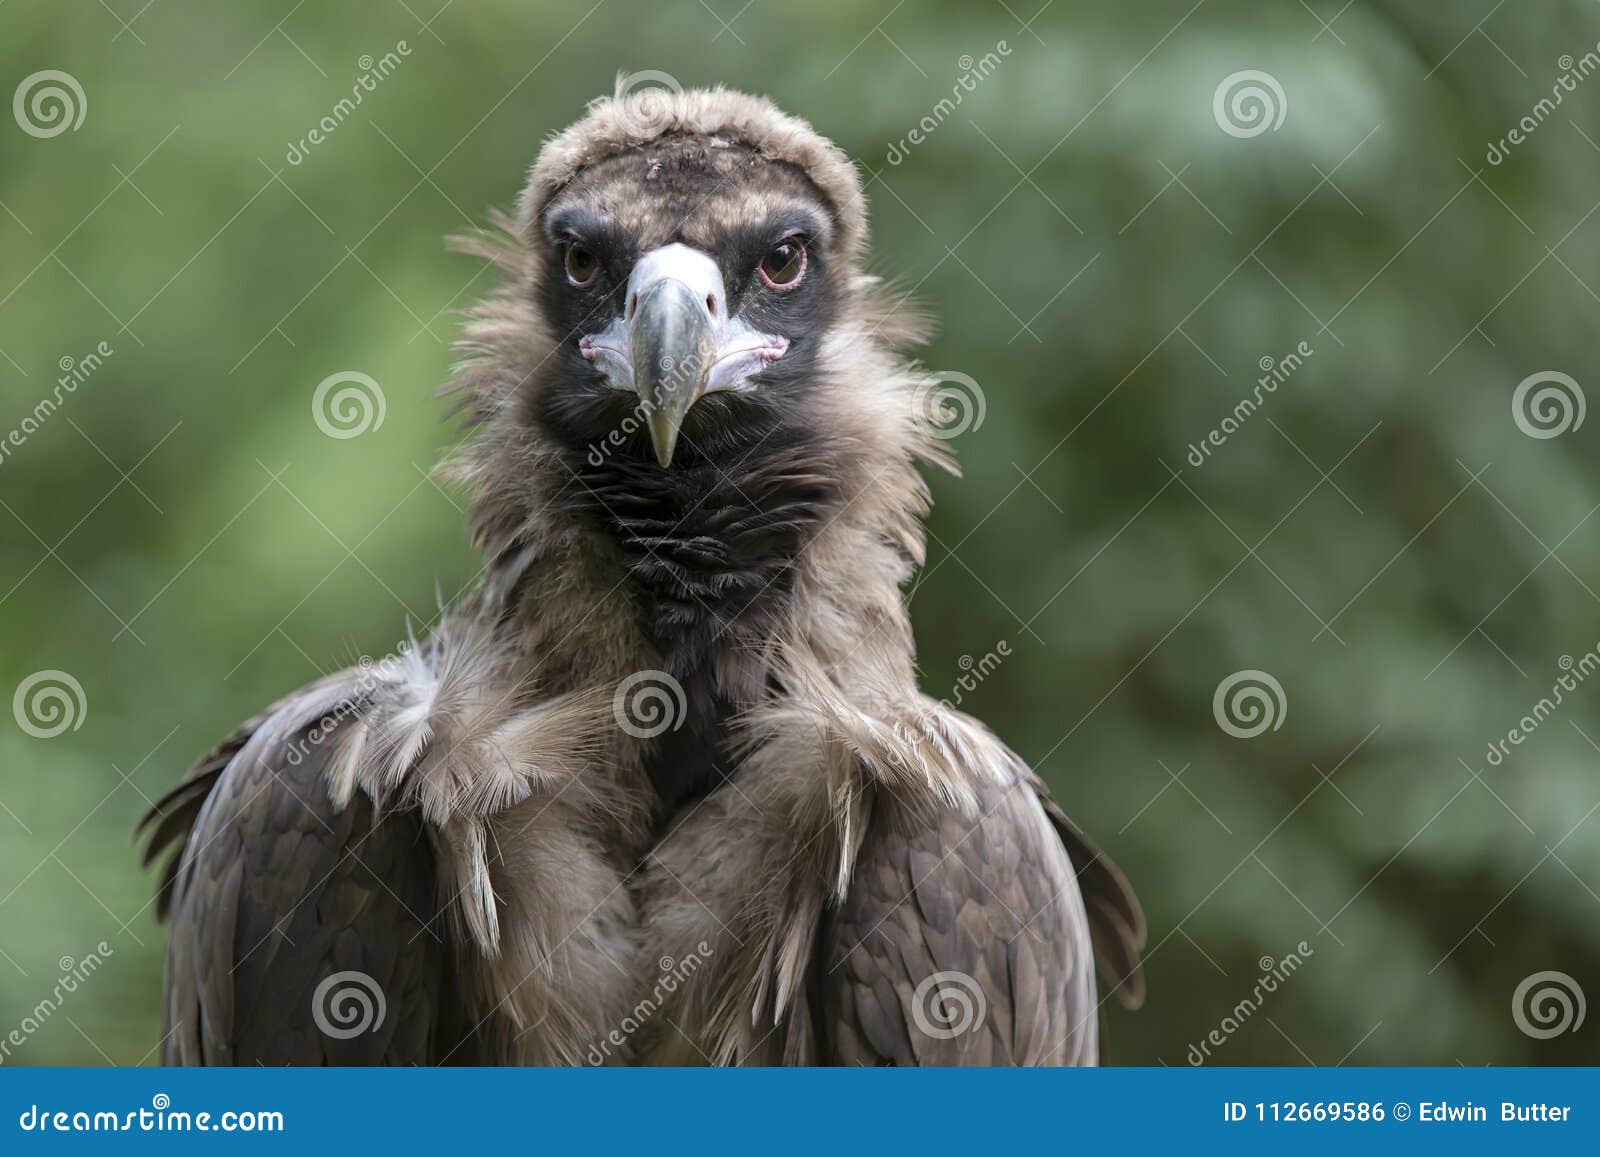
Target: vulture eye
[(583, 267), (784, 265)]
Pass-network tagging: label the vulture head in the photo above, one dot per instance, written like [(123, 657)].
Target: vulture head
[(688, 353)]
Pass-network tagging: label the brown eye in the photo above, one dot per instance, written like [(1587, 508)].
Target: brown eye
[(582, 266), (784, 265)]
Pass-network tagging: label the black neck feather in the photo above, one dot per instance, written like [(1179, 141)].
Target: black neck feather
[(709, 551)]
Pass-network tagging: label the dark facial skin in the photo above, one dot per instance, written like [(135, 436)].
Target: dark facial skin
[(708, 542), (729, 203)]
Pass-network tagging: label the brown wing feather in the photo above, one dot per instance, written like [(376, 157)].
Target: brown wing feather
[(1116, 922), (962, 942), (273, 891)]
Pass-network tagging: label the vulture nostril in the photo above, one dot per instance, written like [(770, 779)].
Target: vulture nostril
[(711, 303), (633, 304)]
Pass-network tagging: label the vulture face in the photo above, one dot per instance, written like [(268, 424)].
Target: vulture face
[(690, 281)]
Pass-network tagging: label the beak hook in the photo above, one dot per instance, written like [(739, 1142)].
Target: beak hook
[(673, 345)]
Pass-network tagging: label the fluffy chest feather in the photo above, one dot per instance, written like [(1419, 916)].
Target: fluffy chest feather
[(709, 557)]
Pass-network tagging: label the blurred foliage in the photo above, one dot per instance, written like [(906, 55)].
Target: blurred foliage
[(1107, 263)]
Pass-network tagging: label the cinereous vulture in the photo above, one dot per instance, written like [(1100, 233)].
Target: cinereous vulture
[(661, 788)]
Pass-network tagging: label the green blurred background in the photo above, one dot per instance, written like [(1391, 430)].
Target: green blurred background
[(1108, 264)]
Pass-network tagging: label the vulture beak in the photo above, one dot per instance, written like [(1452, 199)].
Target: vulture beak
[(675, 343)]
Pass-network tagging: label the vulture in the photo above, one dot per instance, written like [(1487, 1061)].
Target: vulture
[(659, 788)]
